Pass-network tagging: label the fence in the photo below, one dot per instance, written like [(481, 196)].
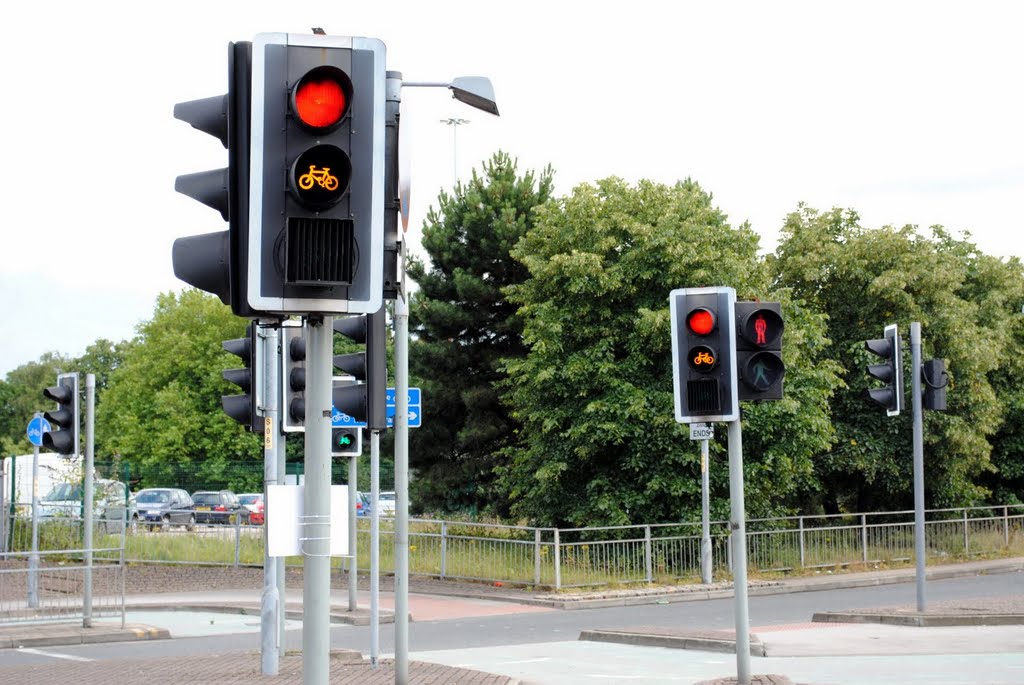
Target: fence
[(580, 557), (59, 582)]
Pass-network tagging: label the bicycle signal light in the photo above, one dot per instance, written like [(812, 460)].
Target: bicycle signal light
[(704, 367)]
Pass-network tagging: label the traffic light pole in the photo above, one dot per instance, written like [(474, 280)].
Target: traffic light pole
[(374, 547), (270, 604), (316, 519), (88, 497), (738, 529), (919, 532), (705, 514)]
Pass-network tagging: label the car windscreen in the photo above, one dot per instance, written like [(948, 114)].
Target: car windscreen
[(249, 499), (153, 497), (64, 492), (206, 498)]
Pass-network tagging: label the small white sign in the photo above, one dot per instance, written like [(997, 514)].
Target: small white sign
[(287, 528), (702, 431)]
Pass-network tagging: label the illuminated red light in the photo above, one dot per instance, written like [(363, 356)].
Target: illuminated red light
[(701, 321), (320, 102)]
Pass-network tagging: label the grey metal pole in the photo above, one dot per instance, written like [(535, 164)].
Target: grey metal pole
[(705, 514), (89, 499), (353, 535), (316, 521), (33, 559), (270, 603), (280, 457), (920, 549), (739, 552), (402, 481), (374, 547)]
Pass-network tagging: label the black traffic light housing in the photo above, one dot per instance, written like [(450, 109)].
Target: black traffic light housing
[(890, 371), (934, 380), (703, 341), (217, 262), (63, 440), (759, 364), (293, 376), (245, 408), (316, 174), (366, 401), (346, 442)]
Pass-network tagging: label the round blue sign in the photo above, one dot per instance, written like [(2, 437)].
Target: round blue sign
[(36, 427)]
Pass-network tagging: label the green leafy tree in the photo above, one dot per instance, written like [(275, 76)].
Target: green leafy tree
[(966, 302), (161, 411), (599, 442), (463, 327)]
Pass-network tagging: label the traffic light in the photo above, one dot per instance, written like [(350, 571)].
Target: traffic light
[(363, 401), (293, 377), (244, 408), (346, 442), (935, 378), (759, 363), (63, 440), (890, 371), (703, 340), (317, 174), (216, 262)]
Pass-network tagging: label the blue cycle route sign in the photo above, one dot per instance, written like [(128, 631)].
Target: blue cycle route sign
[(36, 427), (340, 420)]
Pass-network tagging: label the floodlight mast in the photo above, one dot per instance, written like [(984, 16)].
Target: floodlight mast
[(475, 91)]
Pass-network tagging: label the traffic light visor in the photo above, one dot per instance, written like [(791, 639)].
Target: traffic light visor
[(321, 98), (701, 321)]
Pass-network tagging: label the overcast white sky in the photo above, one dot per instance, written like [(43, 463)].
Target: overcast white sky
[(908, 112)]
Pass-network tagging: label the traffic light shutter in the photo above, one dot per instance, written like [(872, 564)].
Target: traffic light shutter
[(759, 365), (890, 371), (65, 418), (244, 408), (703, 337)]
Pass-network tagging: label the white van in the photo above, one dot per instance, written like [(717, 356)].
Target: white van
[(16, 476)]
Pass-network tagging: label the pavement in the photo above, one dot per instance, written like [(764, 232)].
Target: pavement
[(994, 626)]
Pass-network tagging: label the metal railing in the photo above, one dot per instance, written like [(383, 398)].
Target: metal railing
[(610, 555)]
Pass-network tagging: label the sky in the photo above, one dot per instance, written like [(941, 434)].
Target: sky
[(907, 112)]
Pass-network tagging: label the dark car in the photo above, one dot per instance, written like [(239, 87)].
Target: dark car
[(219, 506), (164, 507)]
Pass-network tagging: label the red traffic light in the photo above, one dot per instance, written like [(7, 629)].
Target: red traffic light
[(321, 98), (701, 321)]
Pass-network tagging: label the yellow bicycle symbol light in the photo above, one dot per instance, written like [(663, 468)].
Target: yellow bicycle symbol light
[(702, 358), (322, 177)]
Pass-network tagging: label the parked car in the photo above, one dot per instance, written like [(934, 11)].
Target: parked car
[(219, 506), (253, 501), (164, 507), (362, 504), (112, 507), (386, 502)]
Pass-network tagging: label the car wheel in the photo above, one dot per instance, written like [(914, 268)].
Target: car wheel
[(191, 523), (165, 522), (133, 525)]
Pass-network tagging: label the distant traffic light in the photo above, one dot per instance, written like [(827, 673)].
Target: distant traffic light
[(364, 401), (759, 363), (935, 379), (244, 408), (317, 174), (63, 440), (890, 371), (703, 340), (346, 442), (293, 377), (217, 262)]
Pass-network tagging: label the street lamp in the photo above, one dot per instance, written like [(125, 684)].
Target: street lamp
[(454, 122)]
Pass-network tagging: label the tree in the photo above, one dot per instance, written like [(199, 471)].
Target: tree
[(599, 443), (865, 279), (161, 412), (463, 327)]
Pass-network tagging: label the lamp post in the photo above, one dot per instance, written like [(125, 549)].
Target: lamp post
[(455, 122)]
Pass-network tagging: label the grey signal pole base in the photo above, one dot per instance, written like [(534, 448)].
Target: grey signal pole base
[(738, 528)]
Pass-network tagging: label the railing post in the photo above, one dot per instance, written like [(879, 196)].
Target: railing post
[(967, 540), (558, 562), (536, 557), (803, 551), (648, 570), (444, 549), (1006, 525), (864, 536), (238, 538)]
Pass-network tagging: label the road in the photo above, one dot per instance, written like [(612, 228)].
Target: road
[(498, 635)]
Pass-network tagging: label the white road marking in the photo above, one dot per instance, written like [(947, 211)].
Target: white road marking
[(39, 652)]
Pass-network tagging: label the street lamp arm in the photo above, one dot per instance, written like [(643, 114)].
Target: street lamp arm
[(475, 91)]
